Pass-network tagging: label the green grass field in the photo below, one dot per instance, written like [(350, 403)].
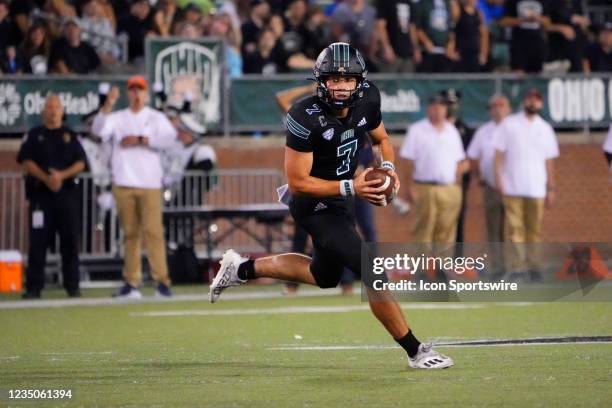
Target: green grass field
[(178, 354)]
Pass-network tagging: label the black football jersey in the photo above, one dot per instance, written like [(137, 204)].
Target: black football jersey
[(334, 142)]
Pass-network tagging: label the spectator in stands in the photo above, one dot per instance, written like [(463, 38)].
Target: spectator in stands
[(436, 163), (52, 157), (318, 33), (9, 32), (251, 29), (185, 29), (567, 34), (529, 20), (138, 24), (20, 11), (231, 8), (526, 147), (436, 36), (277, 25), (192, 13), (138, 133), (268, 58), (36, 49), (295, 33), (288, 45), (354, 22), (221, 27), (59, 11), (70, 55), (164, 16), (599, 54), (107, 10), (472, 36), (482, 153), (10, 62), (397, 36), (98, 31)]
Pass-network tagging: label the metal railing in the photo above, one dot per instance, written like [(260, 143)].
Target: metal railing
[(101, 236)]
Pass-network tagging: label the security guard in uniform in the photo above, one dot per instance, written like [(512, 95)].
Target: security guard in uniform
[(52, 156), (453, 97)]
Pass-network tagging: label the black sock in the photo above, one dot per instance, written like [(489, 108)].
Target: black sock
[(246, 270), (409, 343)]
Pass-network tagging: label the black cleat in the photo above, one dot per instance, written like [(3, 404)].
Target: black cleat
[(31, 294), (73, 293)]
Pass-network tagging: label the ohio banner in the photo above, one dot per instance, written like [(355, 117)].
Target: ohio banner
[(22, 99), (570, 101), (190, 69)]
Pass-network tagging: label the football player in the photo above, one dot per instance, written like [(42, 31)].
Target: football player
[(324, 134)]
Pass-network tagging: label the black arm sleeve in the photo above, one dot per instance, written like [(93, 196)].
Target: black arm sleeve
[(299, 136), (372, 96)]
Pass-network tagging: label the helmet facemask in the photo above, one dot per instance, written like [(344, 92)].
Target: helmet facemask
[(327, 95)]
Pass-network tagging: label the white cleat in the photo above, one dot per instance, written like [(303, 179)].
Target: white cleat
[(227, 275), (428, 358)]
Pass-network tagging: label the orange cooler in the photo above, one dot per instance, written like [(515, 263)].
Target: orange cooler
[(11, 271)]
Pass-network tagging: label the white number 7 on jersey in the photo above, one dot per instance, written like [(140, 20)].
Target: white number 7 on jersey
[(346, 151)]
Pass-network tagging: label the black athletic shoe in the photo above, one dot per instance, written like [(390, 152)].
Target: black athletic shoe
[(535, 276), (163, 291), (127, 291), (31, 294), (73, 293)]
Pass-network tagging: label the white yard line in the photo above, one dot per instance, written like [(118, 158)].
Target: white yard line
[(203, 297), (109, 301), (383, 347), (80, 353), (443, 344), (300, 309)]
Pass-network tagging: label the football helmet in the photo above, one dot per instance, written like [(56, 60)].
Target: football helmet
[(339, 59)]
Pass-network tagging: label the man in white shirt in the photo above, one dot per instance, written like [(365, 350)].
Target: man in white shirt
[(137, 134), (481, 152), (436, 163), (526, 147)]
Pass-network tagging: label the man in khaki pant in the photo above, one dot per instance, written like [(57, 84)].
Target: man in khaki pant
[(436, 161), (138, 133), (526, 147)]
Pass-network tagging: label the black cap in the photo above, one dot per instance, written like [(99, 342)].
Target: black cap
[(437, 98), (452, 95), (534, 92), (191, 6)]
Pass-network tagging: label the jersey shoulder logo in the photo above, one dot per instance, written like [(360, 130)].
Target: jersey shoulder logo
[(296, 129), (314, 109), (347, 134), (328, 134), (362, 122)]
